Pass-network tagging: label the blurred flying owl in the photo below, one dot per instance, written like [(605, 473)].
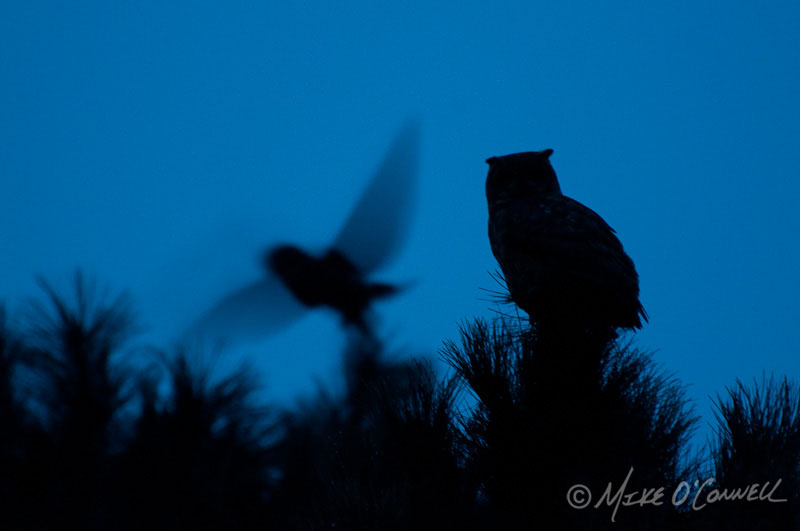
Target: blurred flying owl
[(561, 261), (338, 277)]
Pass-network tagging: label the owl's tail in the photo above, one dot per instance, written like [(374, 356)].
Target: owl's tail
[(380, 291), (643, 314), (355, 311)]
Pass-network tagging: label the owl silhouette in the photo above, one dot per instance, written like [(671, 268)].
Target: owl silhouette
[(562, 263), (295, 280)]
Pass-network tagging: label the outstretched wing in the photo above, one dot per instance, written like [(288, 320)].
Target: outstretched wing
[(229, 297), (249, 313), (378, 225)]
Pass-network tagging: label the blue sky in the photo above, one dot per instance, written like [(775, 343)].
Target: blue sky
[(161, 146)]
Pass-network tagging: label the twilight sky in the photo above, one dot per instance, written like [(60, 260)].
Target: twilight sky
[(160, 146)]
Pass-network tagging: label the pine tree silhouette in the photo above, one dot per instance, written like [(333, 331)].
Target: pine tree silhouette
[(383, 457), (75, 392), (538, 428), (96, 436), (78, 456), (13, 432), (757, 443), (199, 457)]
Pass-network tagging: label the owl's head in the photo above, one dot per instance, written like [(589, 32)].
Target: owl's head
[(521, 175)]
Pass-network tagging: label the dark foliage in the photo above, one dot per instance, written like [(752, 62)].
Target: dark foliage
[(97, 436), (757, 443), (542, 424), (13, 432), (198, 457), (75, 396), (383, 458), (91, 444)]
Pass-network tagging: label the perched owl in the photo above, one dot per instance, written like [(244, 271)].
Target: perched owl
[(562, 263)]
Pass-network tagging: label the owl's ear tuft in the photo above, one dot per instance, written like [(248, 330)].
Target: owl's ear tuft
[(491, 160), (547, 153)]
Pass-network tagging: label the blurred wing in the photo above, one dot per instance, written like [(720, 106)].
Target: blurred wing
[(378, 225), (248, 314)]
